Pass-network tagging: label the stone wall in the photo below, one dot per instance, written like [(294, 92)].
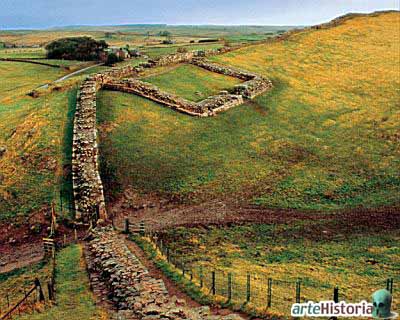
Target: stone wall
[(253, 86), (88, 189), (228, 71), (132, 289), (174, 58), (153, 93), (220, 102), (87, 186), (208, 107)]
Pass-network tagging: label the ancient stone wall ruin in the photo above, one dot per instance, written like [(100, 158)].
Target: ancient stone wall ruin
[(87, 186), (134, 291), (205, 108), (153, 93), (253, 86), (208, 107), (88, 189)]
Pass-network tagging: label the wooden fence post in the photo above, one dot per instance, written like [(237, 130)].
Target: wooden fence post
[(269, 293), (126, 226), (201, 276), (248, 288), (336, 294), (142, 229), (39, 286), (229, 287), (213, 282), (298, 291), (389, 285), (50, 291)]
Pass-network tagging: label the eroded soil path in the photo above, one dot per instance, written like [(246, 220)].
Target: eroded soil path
[(159, 215)]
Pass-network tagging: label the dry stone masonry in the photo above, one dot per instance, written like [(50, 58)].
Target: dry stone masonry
[(205, 108), (87, 186), (135, 293), (88, 189), (153, 93), (253, 86)]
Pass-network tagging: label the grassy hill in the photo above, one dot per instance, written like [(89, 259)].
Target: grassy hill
[(35, 135), (326, 137)]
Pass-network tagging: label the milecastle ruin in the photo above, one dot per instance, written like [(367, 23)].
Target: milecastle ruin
[(87, 186)]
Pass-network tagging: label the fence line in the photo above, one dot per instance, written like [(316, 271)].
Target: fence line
[(17, 307), (252, 289), (49, 247)]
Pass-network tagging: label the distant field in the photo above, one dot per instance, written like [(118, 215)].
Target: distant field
[(23, 53), (156, 51), (137, 35), (192, 83), (324, 138)]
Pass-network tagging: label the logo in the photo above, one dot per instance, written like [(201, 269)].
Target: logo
[(380, 308), (382, 304)]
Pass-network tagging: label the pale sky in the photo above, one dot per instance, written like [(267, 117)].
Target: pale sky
[(50, 13)]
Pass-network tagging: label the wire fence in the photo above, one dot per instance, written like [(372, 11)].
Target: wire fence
[(262, 292), (25, 297)]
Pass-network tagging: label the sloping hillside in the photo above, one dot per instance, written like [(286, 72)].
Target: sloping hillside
[(325, 138)]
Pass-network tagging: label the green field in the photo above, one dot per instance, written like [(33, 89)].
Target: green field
[(36, 136), (321, 255), (323, 138), (192, 83), (74, 298)]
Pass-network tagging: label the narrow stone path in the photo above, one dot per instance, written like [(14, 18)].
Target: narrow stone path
[(133, 290)]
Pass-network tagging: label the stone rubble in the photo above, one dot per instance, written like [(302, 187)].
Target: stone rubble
[(135, 293)]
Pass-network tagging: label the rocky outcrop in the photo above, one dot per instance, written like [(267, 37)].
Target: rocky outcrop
[(136, 294)]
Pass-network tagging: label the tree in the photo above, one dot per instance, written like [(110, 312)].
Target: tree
[(165, 34), (76, 48), (112, 58)]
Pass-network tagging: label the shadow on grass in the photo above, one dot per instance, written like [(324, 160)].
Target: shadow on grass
[(66, 191)]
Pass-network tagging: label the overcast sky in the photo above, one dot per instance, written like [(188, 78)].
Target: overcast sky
[(49, 13)]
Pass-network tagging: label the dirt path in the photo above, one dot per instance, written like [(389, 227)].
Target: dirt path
[(159, 215), (70, 75), (20, 257)]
